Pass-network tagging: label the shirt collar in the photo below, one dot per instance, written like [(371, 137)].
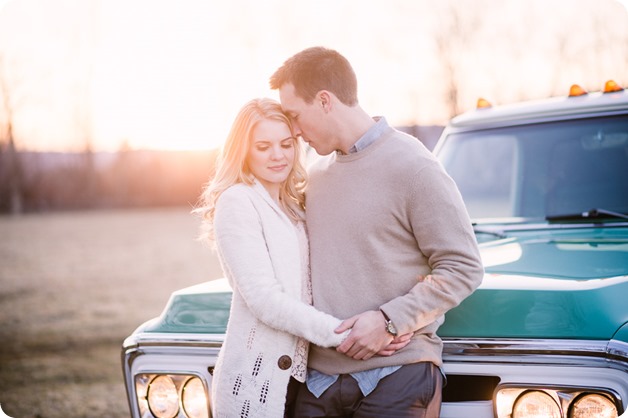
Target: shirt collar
[(371, 135)]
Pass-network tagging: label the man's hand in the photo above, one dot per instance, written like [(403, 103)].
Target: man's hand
[(368, 335), (397, 344)]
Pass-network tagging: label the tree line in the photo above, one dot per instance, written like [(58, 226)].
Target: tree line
[(37, 181), (50, 181)]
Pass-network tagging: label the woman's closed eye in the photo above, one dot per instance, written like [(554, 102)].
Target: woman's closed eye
[(288, 144)]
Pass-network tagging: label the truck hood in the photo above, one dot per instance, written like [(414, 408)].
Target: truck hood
[(571, 254), (569, 282), (538, 284)]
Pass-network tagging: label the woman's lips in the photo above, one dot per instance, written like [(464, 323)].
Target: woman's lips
[(280, 167)]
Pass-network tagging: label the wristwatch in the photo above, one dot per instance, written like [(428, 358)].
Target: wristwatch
[(390, 327)]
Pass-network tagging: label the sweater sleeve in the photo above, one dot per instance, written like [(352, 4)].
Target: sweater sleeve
[(444, 234), (244, 254)]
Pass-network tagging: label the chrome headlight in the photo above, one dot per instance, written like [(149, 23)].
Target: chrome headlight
[(163, 399), (593, 406), (555, 402), (535, 404), (194, 400), (171, 396)]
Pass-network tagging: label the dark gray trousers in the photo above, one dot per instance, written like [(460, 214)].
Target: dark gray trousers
[(413, 391)]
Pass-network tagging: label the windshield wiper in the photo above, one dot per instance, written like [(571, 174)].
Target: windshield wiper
[(596, 213), (590, 214), (495, 232)]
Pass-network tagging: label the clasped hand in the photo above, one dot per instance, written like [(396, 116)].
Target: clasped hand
[(369, 337)]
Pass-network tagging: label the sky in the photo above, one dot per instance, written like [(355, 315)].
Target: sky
[(160, 74)]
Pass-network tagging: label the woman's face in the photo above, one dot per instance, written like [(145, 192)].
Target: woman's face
[(271, 154)]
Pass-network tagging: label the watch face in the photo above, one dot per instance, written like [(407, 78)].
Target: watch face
[(391, 328)]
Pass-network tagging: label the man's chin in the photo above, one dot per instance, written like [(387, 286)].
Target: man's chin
[(322, 152)]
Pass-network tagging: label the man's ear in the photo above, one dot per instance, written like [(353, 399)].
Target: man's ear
[(323, 99)]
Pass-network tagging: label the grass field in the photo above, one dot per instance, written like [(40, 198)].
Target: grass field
[(72, 286)]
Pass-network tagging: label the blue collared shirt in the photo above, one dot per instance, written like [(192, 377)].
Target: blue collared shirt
[(318, 382), (371, 135)]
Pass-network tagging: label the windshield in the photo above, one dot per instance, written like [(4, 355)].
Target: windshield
[(541, 170)]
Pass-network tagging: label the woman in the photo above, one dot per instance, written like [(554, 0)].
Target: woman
[(253, 210)]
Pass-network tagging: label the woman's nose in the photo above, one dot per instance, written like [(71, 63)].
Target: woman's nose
[(276, 153)]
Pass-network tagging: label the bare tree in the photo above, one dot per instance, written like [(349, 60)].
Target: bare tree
[(590, 56), (458, 23), (609, 46), (85, 42), (11, 174)]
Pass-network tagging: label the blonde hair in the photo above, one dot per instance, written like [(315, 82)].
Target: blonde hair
[(231, 167)]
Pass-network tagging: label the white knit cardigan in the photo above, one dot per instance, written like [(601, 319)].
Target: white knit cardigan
[(258, 248)]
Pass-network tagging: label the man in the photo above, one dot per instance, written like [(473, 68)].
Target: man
[(389, 237)]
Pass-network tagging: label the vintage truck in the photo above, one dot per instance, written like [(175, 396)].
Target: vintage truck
[(546, 333)]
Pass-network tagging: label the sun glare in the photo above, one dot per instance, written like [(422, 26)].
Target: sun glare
[(148, 75)]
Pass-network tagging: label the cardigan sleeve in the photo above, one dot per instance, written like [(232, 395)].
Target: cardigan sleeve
[(245, 257)]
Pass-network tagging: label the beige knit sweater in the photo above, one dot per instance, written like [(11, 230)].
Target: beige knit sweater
[(378, 220)]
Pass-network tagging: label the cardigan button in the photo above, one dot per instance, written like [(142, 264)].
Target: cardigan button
[(284, 362)]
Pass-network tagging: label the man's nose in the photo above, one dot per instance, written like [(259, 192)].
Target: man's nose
[(296, 128)]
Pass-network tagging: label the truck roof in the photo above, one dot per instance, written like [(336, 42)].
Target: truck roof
[(534, 111)]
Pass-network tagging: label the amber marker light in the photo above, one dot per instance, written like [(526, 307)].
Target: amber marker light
[(575, 90), (612, 86), (483, 104)]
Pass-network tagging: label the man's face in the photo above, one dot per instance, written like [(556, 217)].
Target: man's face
[(309, 120)]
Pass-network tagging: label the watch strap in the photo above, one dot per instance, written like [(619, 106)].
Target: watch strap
[(390, 327)]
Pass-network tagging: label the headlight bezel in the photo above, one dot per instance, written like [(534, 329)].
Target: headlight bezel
[(167, 404), (144, 379), (585, 395), (506, 396), (186, 407), (552, 400)]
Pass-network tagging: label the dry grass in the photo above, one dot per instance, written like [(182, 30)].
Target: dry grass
[(72, 287)]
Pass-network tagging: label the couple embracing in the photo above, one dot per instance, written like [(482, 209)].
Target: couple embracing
[(341, 275)]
